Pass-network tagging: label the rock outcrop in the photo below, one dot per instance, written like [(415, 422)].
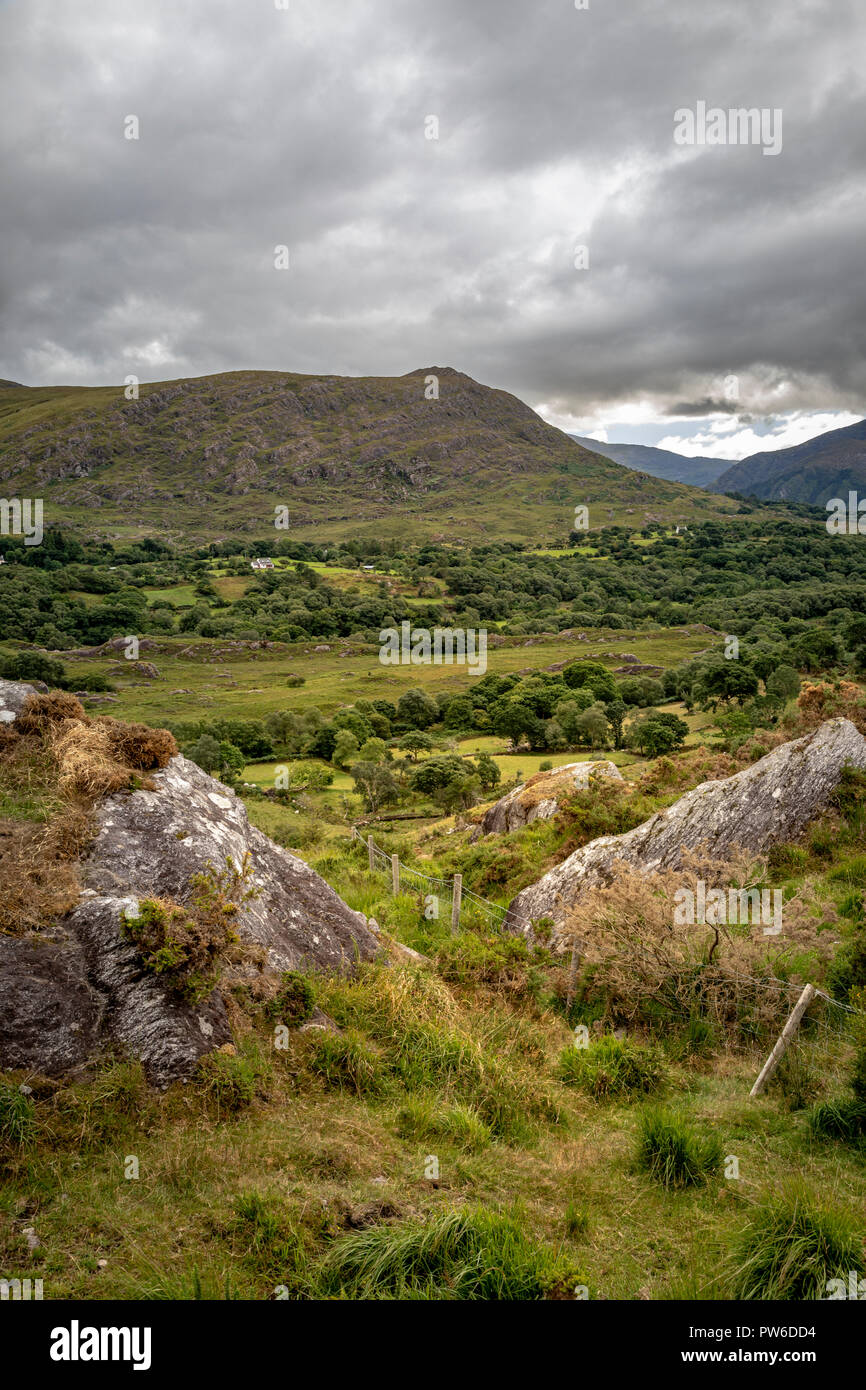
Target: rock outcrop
[(766, 804), (67, 992), (538, 798)]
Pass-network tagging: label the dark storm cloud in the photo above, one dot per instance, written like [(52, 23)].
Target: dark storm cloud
[(306, 127)]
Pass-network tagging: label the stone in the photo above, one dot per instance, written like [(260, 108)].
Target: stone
[(539, 797), (68, 993), (766, 804)]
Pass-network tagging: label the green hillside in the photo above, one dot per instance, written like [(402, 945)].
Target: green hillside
[(208, 457)]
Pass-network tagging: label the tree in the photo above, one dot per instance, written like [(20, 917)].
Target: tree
[(593, 675), (414, 743), (593, 726), (206, 752), (373, 750), (346, 748), (417, 709), (375, 784), (489, 774), (615, 712), (783, 684)]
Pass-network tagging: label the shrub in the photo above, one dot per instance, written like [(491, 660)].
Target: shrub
[(184, 945), (612, 1067), (470, 1253), (673, 1153), (294, 1001), (792, 1246)]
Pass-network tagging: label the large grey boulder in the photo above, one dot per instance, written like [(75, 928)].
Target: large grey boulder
[(68, 992), (766, 804), (538, 798)]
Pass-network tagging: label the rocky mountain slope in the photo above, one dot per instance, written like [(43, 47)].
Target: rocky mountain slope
[(212, 456), (824, 467), (661, 463), (768, 803)]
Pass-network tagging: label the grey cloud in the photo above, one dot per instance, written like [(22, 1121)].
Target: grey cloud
[(305, 127)]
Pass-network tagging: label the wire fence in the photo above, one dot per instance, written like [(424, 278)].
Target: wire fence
[(447, 892), (814, 1050)]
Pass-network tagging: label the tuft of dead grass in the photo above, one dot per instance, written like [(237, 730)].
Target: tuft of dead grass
[(647, 967), (55, 763)]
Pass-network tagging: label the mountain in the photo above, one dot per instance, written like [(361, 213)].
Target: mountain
[(661, 463), (821, 468), (206, 457)]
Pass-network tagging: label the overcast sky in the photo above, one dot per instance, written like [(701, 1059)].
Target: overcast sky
[(725, 293)]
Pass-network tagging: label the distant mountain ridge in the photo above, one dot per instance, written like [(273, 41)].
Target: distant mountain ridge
[(661, 463), (206, 457), (821, 468)]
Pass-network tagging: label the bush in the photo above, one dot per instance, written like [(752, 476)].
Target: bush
[(673, 1152), (612, 1067), (791, 1248), (470, 1253), (294, 1001), (184, 945)]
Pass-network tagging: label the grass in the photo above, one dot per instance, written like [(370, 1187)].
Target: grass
[(674, 1153), (793, 1245), (612, 1067), (461, 1254)]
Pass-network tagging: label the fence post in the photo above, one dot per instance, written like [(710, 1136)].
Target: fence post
[(370, 854), (395, 872), (456, 895), (784, 1040)]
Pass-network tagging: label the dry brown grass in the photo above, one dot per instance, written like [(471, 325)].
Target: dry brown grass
[(137, 745), (642, 963), (55, 763)]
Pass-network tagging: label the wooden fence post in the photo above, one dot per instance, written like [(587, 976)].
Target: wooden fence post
[(370, 855), (395, 872), (456, 895), (784, 1041)]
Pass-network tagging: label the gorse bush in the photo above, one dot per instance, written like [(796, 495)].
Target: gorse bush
[(792, 1246), (612, 1067), (673, 1152), (471, 1253)]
